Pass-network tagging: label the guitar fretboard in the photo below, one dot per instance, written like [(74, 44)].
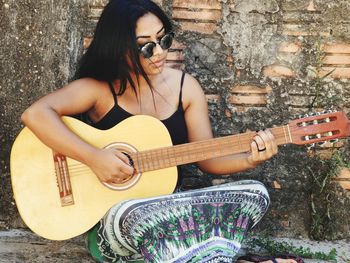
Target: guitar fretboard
[(160, 158)]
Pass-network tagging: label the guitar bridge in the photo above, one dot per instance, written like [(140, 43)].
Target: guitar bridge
[(63, 180)]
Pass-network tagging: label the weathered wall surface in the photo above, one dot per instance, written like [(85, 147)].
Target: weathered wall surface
[(39, 45), (260, 62)]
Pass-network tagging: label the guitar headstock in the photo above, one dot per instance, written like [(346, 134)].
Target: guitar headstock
[(319, 127)]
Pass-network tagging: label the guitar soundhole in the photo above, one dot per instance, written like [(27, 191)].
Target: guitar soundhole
[(127, 183)]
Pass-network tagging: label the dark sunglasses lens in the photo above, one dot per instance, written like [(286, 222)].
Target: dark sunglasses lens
[(147, 50), (166, 41)]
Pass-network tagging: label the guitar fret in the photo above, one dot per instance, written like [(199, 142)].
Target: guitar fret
[(290, 136), (149, 160), (153, 159), (180, 154), (158, 157), (138, 163), (168, 157), (145, 161), (284, 132), (163, 153)]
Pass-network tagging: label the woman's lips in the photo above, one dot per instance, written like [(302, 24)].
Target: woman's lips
[(158, 63)]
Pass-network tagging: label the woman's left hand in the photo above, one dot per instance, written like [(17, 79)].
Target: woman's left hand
[(262, 148)]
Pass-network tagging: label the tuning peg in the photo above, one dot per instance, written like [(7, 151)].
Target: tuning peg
[(306, 138), (333, 140), (310, 146), (328, 111)]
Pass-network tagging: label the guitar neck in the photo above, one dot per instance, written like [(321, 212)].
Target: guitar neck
[(160, 158)]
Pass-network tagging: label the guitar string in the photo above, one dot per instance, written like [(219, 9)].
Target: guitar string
[(177, 157), (179, 153), (193, 144), (84, 169), (155, 155), (188, 152)]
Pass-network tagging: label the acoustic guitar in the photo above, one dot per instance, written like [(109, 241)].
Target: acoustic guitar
[(60, 198)]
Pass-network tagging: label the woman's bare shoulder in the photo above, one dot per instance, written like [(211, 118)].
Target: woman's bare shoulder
[(191, 89), (88, 84), (176, 74), (171, 73), (87, 88)]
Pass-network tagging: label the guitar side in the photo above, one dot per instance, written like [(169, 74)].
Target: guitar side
[(35, 186)]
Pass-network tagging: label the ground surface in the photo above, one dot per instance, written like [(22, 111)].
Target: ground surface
[(19, 246)]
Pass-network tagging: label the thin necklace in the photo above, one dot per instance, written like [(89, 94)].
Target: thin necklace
[(158, 93)]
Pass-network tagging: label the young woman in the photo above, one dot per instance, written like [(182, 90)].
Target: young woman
[(123, 73)]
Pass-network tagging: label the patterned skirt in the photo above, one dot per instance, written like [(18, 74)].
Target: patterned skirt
[(205, 225)]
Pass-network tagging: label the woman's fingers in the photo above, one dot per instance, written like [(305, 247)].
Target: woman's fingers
[(260, 139), (266, 142), (114, 166), (272, 142), (263, 147), (126, 167)]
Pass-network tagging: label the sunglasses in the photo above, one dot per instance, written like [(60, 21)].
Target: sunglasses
[(146, 50)]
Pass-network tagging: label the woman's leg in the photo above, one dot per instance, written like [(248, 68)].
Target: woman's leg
[(206, 225)]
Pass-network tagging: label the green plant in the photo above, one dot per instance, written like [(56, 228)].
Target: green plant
[(322, 194), (323, 93), (275, 248)]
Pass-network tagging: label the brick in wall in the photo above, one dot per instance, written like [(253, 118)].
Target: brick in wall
[(197, 15), (176, 57), (213, 98), (278, 71), (343, 178), (336, 60), (98, 3), (287, 51), (244, 97)]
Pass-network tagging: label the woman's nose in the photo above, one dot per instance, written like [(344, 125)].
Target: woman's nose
[(157, 50)]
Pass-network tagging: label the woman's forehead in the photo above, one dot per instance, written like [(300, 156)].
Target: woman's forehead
[(148, 25)]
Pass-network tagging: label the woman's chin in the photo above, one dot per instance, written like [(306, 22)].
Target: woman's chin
[(154, 70)]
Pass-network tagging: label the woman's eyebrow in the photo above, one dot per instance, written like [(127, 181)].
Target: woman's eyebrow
[(150, 36)]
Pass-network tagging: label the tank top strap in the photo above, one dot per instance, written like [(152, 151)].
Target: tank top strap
[(181, 85), (111, 87)]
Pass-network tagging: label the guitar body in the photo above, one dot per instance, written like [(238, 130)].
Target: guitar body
[(35, 186)]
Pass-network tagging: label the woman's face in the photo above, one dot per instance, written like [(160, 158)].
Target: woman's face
[(150, 29)]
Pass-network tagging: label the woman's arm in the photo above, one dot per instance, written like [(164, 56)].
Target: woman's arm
[(44, 119), (199, 128)]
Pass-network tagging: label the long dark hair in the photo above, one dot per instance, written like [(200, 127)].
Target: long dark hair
[(114, 38)]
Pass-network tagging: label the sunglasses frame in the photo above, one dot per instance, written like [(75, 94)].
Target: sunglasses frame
[(154, 44)]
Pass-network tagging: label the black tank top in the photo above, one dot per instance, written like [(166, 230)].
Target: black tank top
[(175, 124)]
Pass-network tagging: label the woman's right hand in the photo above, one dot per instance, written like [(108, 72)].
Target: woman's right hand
[(111, 166)]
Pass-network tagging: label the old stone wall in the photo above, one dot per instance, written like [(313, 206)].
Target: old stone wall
[(260, 63), (40, 44)]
